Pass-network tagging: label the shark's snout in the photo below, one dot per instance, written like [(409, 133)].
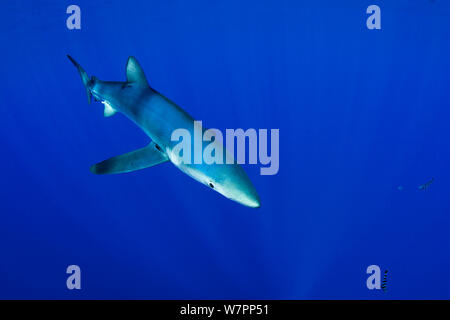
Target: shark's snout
[(239, 188), (251, 201)]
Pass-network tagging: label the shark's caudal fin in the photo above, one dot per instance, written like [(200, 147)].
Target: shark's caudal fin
[(148, 156), (135, 73), (84, 77)]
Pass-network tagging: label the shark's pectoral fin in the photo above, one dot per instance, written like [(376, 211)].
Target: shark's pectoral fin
[(148, 156)]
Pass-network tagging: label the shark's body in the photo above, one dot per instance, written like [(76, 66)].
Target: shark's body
[(158, 117)]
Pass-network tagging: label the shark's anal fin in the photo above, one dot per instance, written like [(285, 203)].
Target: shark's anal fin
[(148, 156)]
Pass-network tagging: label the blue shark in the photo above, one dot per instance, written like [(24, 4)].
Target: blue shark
[(158, 117)]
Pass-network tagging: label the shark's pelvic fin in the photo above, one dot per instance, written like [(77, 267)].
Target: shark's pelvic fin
[(135, 73), (84, 77), (148, 156), (109, 111)]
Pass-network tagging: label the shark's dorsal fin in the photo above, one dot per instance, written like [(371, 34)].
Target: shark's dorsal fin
[(135, 73)]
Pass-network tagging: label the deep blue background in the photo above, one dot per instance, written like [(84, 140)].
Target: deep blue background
[(360, 113)]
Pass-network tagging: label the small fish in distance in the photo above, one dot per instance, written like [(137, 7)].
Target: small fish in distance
[(426, 185)]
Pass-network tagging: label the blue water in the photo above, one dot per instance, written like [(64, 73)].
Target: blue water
[(361, 113)]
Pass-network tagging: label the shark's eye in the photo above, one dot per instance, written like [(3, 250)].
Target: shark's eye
[(211, 185), (157, 147), (126, 85)]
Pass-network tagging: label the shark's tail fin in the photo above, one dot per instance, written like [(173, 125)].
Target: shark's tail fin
[(84, 77)]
